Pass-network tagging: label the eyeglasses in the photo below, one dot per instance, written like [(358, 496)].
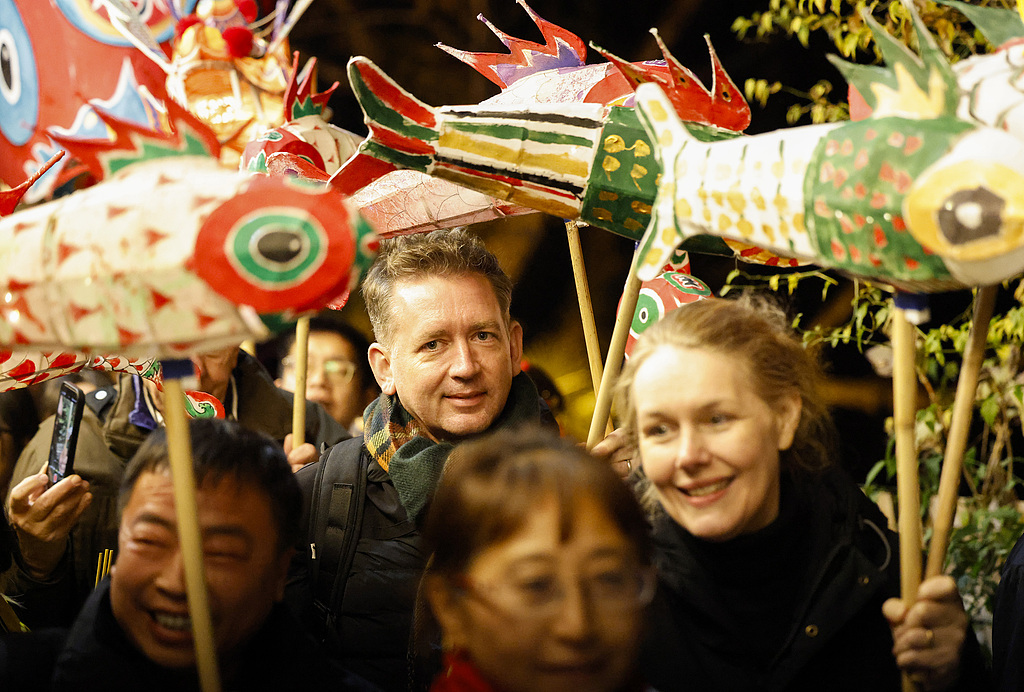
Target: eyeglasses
[(610, 592), (335, 369)]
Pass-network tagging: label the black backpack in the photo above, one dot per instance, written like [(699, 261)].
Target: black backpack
[(336, 510)]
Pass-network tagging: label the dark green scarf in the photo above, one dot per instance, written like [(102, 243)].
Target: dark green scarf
[(400, 446)]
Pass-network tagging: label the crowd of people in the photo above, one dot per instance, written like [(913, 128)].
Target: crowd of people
[(449, 539)]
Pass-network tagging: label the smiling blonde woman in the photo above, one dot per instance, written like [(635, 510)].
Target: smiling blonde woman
[(773, 566)]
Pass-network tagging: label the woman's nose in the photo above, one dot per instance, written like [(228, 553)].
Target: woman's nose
[(575, 620), (691, 450)]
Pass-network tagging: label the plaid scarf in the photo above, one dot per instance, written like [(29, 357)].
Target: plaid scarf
[(401, 447)]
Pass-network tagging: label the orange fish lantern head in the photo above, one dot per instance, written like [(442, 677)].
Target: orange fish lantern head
[(237, 96)]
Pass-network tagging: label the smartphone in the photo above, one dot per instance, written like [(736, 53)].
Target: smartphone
[(70, 404)]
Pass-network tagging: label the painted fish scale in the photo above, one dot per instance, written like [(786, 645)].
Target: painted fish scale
[(623, 177), (110, 303), (859, 177), (747, 189)]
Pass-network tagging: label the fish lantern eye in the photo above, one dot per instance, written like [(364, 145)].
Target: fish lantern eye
[(970, 210), (661, 295), (10, 83), (19, 83), (277, 247), (649, 310), (970, 215)]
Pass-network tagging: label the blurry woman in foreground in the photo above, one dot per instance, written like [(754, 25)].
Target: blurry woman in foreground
[(773, 566), (540, 569)]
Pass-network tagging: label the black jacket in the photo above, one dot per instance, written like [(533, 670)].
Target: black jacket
[(368, 621), (1008, 624), (796, 606), (97, 655)]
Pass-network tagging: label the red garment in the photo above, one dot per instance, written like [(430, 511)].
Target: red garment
[(459, 675)]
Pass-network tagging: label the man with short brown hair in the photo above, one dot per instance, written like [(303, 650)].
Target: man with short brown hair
[(447, 359)]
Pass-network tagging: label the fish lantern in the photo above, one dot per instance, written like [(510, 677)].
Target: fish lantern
[(236, 87), (306, 135), (661, 295), (55, 55)]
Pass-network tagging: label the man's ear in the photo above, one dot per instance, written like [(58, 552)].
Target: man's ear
[(515, 344), (280, 575), (380, 363)]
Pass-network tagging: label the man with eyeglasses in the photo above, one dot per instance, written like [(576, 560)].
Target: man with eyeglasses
[(338, 375), (447, 359)]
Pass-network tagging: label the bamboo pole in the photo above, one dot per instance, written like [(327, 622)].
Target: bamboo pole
[(963, 406), (617, 347), (579, 273), (301, 364), (908, 490), (179, 452)]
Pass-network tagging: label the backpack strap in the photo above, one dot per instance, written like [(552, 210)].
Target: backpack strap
[(339, 494), (101, 400)]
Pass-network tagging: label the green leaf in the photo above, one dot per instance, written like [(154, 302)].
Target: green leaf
[(740, 27), (794, 113), (989, 410), (875, 470), (792, 280), (848, 45), (997, 24)]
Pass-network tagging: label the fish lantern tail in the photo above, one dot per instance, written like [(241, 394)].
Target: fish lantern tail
[(403, 129)]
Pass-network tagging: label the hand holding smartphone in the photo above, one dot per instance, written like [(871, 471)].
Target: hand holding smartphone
[(70, 404)]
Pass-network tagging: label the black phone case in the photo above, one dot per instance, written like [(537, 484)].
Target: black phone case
[(65, 432)]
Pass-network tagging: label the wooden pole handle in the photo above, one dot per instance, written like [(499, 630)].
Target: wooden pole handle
[(179, 452), (579, 273), (956, 443), (908, 488), (617, 347), (301, 367)]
